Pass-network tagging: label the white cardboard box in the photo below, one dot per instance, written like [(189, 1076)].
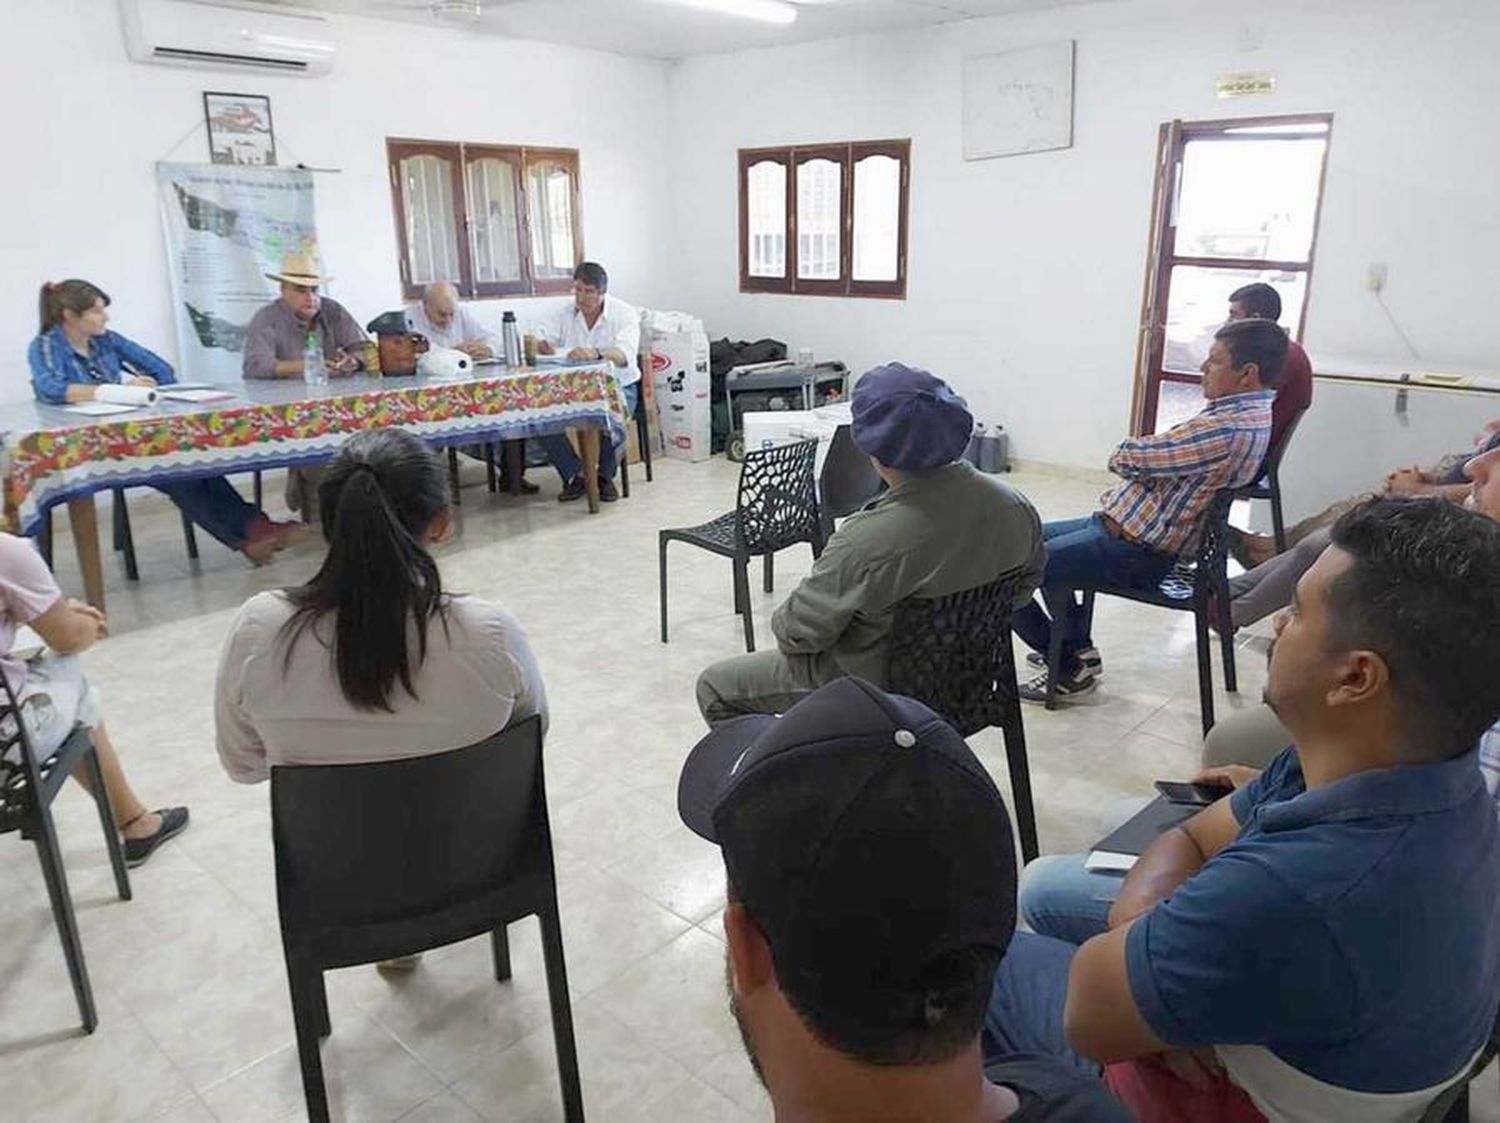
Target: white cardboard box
[(679, 375)]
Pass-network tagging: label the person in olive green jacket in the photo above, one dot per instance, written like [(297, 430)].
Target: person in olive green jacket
[(941, 528)]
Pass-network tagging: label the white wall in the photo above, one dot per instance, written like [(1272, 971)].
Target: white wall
[(1024, 273), (86, 126)]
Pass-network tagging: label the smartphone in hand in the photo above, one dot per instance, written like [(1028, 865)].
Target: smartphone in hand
[(1198, 795)]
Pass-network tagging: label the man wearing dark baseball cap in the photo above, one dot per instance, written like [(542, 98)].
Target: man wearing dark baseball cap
[(942, 527), (871, 886)]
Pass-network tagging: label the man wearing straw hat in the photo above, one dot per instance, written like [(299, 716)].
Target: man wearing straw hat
[(278, 333), (277, 337)]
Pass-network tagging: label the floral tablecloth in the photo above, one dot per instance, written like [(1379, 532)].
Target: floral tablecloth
[(64, 456)]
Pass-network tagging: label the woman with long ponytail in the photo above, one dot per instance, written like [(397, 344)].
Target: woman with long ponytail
[(371, 659), (75, 352)]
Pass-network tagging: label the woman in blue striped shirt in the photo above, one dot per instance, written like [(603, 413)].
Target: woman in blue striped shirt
[(75, 353)]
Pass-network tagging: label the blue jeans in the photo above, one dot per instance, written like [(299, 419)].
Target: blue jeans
[(1025, 1014), (214, 505), (559, 449), (1081, 554), (1059, 898)]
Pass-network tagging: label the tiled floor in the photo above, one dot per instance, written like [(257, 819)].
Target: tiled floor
[(194, 1017)]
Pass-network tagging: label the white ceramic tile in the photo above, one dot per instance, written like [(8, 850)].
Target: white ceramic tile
[(451, 1012), (618, 1071), (445, 1107), (367, 1075), (681, 872)]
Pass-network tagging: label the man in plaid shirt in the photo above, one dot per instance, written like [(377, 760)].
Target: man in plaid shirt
[(1151, 516)]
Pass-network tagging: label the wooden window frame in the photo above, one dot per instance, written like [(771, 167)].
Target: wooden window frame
[(459, 154), (569, 158), (847, 155), (512, 156)]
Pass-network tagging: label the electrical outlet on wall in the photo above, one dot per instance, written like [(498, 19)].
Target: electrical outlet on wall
[(1375, 276)]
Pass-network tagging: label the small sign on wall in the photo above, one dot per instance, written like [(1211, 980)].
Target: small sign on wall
[(1245, 83), (1019, 101)]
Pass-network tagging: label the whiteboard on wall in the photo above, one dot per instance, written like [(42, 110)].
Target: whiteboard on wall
[(1019, 101)]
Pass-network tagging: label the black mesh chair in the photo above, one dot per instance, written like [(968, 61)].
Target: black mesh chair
[(375, 861), (27, 788), (1268, 484), (776, 507), (954, 655), (1452, 1105), (1190, 592)]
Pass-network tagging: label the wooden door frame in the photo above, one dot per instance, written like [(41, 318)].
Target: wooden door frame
[(1172, 140)]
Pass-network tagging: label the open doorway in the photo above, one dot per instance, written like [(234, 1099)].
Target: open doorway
[(1235, 202)]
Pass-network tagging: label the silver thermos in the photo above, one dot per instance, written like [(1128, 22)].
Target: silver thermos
[(510, 339)]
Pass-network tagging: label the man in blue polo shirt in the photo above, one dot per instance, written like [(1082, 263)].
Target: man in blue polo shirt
[(1326, 941)]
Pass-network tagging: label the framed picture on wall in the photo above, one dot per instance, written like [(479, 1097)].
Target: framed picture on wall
[(239, 128)]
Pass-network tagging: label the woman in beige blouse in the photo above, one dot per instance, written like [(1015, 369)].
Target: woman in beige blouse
[(371, 660)]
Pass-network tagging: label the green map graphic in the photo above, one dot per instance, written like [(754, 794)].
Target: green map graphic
[(268, 238), (215, 332)]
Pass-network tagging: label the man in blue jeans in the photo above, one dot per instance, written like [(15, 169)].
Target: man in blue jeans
[(1325, 942), (1151, 516), (594, 327)]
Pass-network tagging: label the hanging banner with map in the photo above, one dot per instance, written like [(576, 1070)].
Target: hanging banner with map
[(226, 228)]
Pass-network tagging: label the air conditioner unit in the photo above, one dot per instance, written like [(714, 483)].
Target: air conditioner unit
[(228, 36)]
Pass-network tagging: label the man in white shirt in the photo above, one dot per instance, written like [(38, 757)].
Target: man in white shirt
[(447, 323), (594, 327)]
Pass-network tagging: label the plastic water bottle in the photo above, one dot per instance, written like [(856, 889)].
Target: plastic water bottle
[(314, 372)]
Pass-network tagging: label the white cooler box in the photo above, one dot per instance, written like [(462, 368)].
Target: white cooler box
[(783, 426)]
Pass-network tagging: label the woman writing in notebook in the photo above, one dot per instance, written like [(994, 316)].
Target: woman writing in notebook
[(75, 353)]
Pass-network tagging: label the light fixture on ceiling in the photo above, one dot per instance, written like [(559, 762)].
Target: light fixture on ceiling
[(455, 11), (770, 11)]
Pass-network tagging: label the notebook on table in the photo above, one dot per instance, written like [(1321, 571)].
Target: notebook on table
[(1119, 849)]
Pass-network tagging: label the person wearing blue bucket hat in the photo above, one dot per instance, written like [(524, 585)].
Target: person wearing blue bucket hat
[(941, 527)]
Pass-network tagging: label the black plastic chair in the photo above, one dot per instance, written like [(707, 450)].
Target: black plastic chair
[(124, 541), (27, 788), (1452, 1106), (642, 436), (776, 506), (1267, 485), (1208, 581), (847, 482), (376, 861), (954, 654)]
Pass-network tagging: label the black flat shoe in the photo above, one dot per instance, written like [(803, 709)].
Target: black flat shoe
[(523, 486), (574, 489), (174, 821), (607, 490)]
